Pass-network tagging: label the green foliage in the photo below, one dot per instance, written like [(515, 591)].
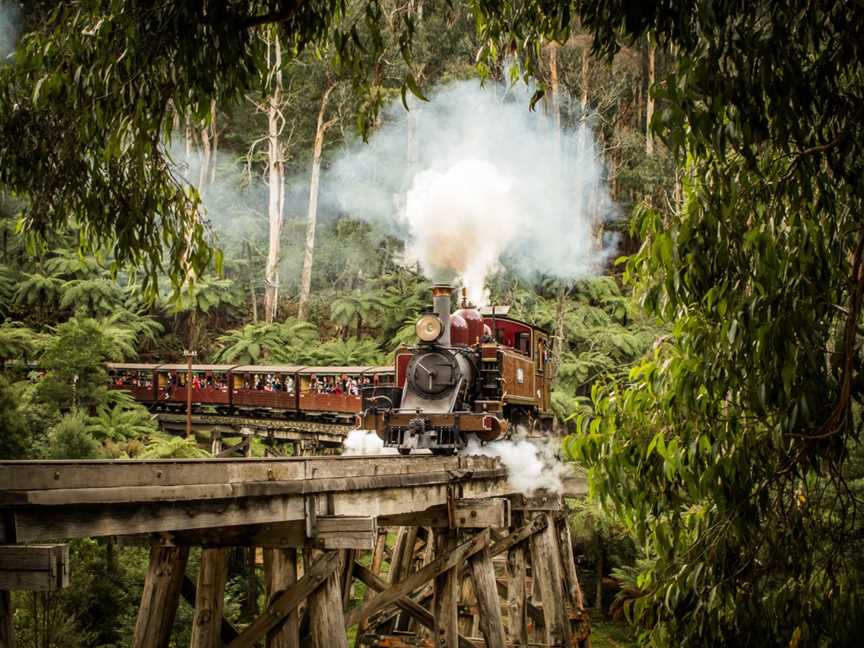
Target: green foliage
[(70, 439), (172, 447), (258, 343), (729, 451), (15, 439), (17, 342), (120, 419)]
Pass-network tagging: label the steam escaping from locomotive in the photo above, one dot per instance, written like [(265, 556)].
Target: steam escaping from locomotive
[(530, 466), (473, 179), (474, 198), (361, 442)]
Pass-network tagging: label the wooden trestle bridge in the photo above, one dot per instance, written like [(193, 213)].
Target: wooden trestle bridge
[(473, 563)]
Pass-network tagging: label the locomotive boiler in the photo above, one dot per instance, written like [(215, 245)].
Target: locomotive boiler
[(472, 372)]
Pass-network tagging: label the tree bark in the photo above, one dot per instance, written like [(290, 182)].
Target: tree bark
[(583, 100), (556, 95), (276, 187), (649, 101), (312, 214), (214, 138)]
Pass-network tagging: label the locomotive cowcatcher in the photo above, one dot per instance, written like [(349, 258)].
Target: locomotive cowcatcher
[(472, 372)]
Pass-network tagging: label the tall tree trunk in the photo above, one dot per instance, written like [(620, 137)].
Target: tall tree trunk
[(649, 101), (312, 215), (189, 138), (204, 170), (585, 69), (214, 140), (558, 343), (556, 99), (276, 188)]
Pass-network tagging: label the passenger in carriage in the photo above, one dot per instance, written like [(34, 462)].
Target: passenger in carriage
[(289, 384)]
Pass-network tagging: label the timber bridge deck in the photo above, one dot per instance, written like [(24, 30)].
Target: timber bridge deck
[(465, 544)]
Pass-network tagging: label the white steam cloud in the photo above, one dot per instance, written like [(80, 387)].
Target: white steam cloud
[(473, 178), (10, 20), (360, 442), (530, 466)]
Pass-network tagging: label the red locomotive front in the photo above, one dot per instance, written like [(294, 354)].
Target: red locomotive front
[(468, 375)]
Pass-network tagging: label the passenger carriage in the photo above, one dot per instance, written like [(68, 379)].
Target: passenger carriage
[(265, 387), (136, 378), (210, 384)]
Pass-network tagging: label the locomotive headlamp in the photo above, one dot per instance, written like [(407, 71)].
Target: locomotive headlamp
[(429, 328)]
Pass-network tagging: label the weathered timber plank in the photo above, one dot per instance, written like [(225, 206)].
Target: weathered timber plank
[(491, 624), (326, 622), (415, 580), (46, 475), (230, 489), (52, 523), (287, 601), (209, 599), (41, 568), (160, 597), (7, 620), (491, 513), (280, 569)]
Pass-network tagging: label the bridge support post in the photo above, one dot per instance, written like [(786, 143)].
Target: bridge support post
[(375, 568), (326, 619), (280, 569), (546, 571), (209, 599), (160, 597), (446, 595), (7, 620), (489, 611), (517, 615)]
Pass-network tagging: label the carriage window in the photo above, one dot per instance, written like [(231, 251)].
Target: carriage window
[(524, 343)]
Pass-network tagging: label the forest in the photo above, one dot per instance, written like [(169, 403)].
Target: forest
[(236, 177)]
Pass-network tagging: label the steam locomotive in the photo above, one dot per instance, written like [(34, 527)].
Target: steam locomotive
[(472, 372)]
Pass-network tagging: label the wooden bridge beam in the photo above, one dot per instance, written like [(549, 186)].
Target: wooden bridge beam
[(160, 597)]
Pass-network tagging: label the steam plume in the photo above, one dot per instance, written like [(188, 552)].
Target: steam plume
[(10, 18), (530, 466), (474, 178), (360, 442)]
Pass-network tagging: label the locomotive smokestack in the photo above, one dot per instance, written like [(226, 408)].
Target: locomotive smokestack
[(441, 303)]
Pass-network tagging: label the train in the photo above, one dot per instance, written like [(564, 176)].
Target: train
[(473, 373), (284, 391)]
